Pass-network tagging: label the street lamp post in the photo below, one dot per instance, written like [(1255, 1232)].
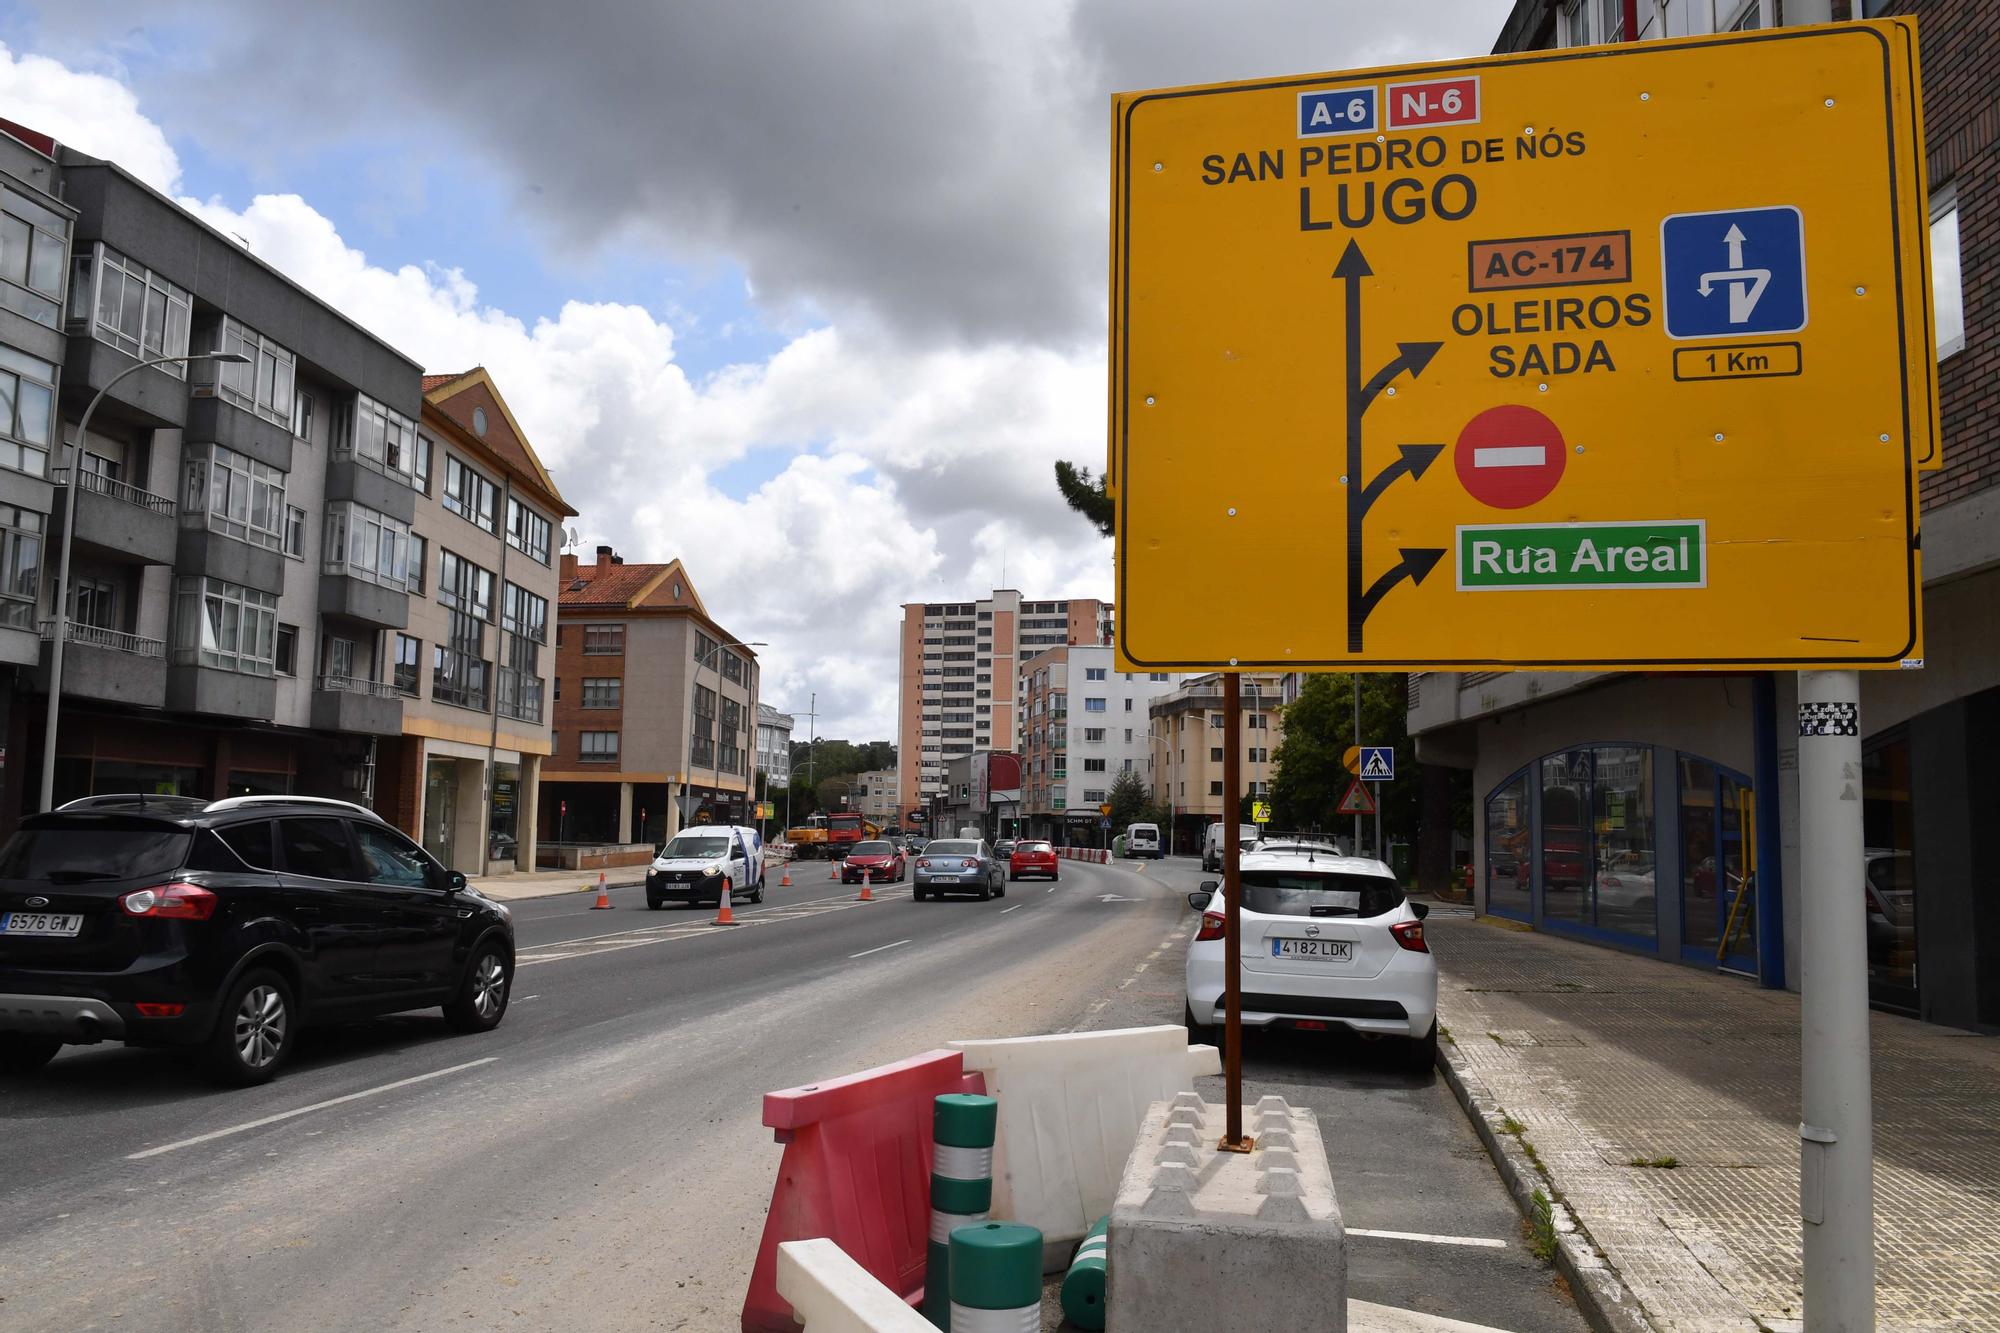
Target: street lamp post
[(61, 620)]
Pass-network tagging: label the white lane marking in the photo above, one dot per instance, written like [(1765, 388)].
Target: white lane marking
[(1518, 455), (1477, 1242), (1052, 888), (1015, 908), (523, 999), (878, 949), (303, 1110)]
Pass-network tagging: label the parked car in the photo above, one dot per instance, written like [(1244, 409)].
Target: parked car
[(1327, 941), (1212, 842), (1033, 858), (876, 862), (227, 926), (693, 863), (1143, 840), (959, 865)]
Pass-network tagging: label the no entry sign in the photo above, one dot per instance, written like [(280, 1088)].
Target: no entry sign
[(1509, 457)]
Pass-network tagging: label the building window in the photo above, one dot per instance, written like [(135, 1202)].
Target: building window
[(1091, 705), (459, 665), (1596, 839), (378, 436), (732, 668), (422, 474), (288, 650), (598, 747), (1749, 20), (339, 655), (527, 531), (729, 743), (419, 563), (1156, 676), (464, 586), (1216, 720), (295, 532), (1259, 755), (603, 640), (409, 657), (555, 684), (20, 565), (241, 497), (225, 626), (521, 676), (1093, 673), (1215, 754), (469, 494), (479, 422), (93, 602), (136, 310), (1093, 766), (1947, 278), (1888, 816), (603, 692), (363, 544), (302, 416), (1215, 788), (524, 613), (264, 385), (701, 746), (1095, 734), (1611, 20), (27, 409), (33, 243), (1718, 893)]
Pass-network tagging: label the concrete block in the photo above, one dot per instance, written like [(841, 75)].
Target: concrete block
[(1200, 1236), (830, 1293)]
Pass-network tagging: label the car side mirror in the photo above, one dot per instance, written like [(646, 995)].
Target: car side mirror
[(1197, 902), (1421, 909), (1210, 885), (450, 880)]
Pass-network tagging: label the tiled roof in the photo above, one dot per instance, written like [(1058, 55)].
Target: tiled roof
[(432, 381), (616, 586)]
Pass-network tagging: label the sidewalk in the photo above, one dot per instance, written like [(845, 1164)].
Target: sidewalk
[(1603, 1060), (542, 883)]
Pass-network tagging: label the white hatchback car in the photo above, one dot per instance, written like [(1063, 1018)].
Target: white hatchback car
[(1327, 940)]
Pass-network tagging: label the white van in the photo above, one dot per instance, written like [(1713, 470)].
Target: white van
[(1143, 840), (1212, 843), (693, 863)]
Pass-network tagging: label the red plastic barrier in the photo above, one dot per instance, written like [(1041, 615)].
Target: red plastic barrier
[(857, 1169)]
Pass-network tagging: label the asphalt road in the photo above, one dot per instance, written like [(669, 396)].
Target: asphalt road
[(597, 1162)]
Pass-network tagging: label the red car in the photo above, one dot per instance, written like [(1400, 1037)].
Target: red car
[(1033, 858), (872, 863)]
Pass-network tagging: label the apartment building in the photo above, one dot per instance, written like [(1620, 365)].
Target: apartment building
[(1186, 744), (472, 663), (874, 797), (242, 553), (654, 705), (774, 747), (1659, 814), (1083, 723), (959, 672), (983, 791)]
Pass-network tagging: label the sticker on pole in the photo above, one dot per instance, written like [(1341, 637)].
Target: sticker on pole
[(1359, 800), (1829, 719), (1378, 763)]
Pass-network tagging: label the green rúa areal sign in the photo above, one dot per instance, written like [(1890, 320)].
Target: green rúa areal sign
[(1670, 553)]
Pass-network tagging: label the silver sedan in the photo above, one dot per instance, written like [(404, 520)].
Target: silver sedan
[(959, 865)]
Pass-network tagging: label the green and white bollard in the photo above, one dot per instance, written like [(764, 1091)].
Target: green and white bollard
[(1083, 1284), (996, 1279), (962, 1129)]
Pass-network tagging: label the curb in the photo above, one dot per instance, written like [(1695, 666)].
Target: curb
[(1608, 1305), (557, 891)]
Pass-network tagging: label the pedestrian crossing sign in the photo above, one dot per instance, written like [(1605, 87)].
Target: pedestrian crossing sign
[(1359, 800), (1378, 763)]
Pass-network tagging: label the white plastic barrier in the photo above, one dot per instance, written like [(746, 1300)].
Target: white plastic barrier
[(1070, 1107), (830, 1293)]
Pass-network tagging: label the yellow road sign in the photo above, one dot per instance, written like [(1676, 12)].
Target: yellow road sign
[(1260, 812), (1350, 759), (1611, 358)]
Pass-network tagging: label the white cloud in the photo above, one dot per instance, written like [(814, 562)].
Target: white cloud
[(90, 112), (911, 474)]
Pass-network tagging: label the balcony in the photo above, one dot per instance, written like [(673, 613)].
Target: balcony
[(342, 593), (217, 555), (117, 522), (212, 419), (350, 478), (366, 707), (106, 664), (155, 398)]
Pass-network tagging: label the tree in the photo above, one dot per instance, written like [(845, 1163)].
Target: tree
[(1130, 803), (1319, 726), (1085, 494)]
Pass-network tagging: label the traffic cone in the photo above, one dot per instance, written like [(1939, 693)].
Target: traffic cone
[(786, 882), (724, 917), (866, 879), (832, 868), (603, 903)]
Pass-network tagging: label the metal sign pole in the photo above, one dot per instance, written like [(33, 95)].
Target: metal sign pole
[(1355, 677), (1836, 1131), (1232, 898)]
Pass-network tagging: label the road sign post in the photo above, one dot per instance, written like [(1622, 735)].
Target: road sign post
[(1232, 906)]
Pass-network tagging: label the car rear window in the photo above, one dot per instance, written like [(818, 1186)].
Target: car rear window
[(251, 841), (93, 851), (871, 849), (1033, 847), (953, 849), (1292, 893)]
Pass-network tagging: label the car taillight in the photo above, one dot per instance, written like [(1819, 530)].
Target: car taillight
[(969, 863), (170, 902), (1213, 926), (1410, 934), (923, 863)]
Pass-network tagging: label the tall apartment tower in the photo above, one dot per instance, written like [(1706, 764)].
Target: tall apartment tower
[(960, 670)]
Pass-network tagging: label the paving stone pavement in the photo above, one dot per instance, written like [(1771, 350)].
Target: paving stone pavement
[(1606, 1058)]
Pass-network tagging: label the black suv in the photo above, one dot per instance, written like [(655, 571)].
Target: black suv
[(224, 926)]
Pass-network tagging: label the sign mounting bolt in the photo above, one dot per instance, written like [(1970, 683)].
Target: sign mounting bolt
[(1829, 101), (1232, 511), (1861, 291), (1718, 437), (1343, 481), (1390, 391), (1579, 448), (1884, 437), (1541, 388), (1232, 661), (1159, 166), (1149, 400), (1645, 97)]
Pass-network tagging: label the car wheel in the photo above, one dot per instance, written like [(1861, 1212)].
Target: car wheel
[(1197, 1032), (917, 895), (1422, 1052), (653, 904), (985, 891), (253, 1036), (1000, 890), (22, 1053), (482, 997)]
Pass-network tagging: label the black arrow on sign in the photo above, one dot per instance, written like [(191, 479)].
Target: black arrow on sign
[(1412, 357), (1416, 458), (1416, 563)]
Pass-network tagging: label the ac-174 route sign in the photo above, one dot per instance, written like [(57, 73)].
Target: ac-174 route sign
[(1664, 306)]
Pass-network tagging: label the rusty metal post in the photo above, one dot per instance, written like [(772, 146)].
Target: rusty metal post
[(1232, 898)]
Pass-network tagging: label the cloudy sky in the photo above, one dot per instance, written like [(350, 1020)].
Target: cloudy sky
[(808, 294)]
